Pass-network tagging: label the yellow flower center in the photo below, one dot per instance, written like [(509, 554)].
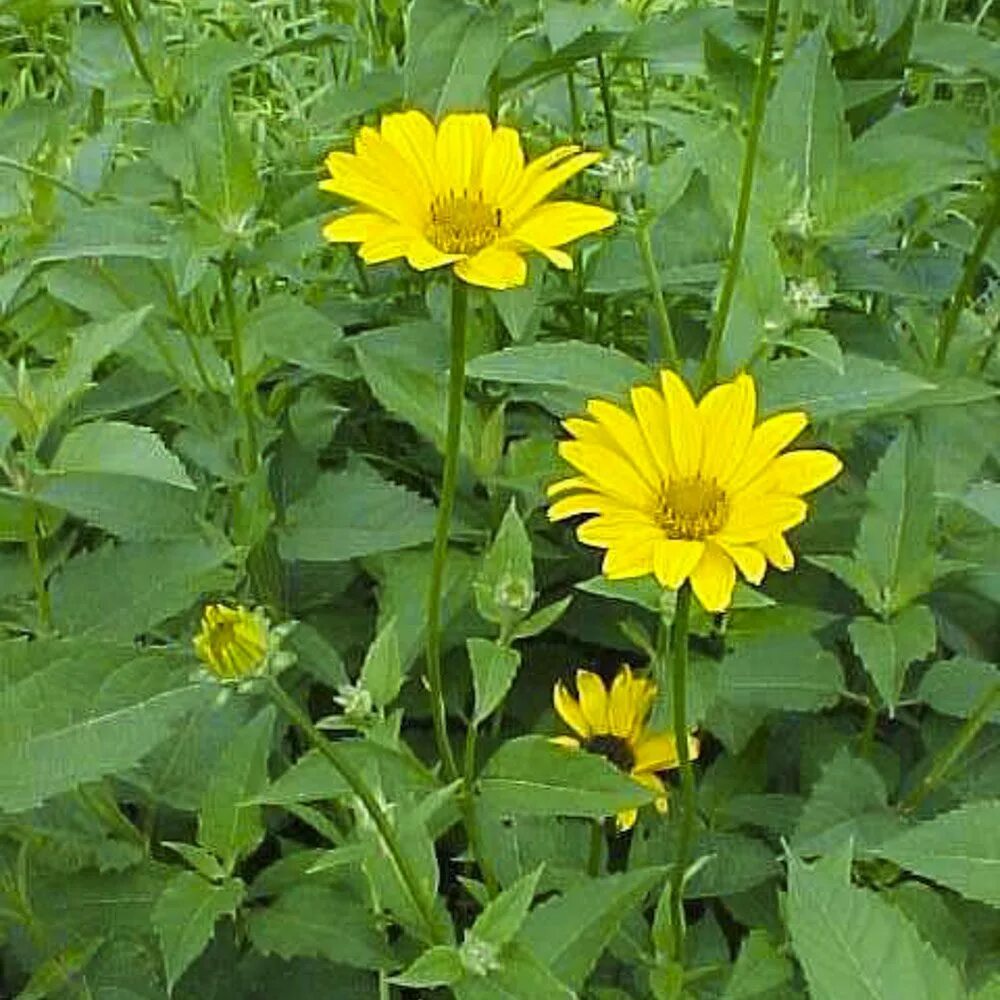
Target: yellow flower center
[(613, 748), (462, 223), (692, 509)]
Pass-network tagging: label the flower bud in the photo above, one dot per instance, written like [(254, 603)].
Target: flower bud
[(234, 643)]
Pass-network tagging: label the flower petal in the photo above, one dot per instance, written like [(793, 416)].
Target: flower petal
[(412, 135), (655, 784), (569, 710), (624, 562), (623, 429), (569, 742), (357, 227), (713, 579), (766, 441), (580, 503), (656, 752), (674, 559), (756, 516), (462, 141), (653, 418), (777, 551), (683, 425), (503, 166), (625, 820), (799, 472), (727, 414), (621, 704), (388, 246), (750, 561), (559, 222), (423, 256), (356, 179), (612, 473), (593, 701), (537, 185), (494, 268)]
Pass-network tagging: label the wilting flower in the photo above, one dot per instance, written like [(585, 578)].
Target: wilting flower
[(689, 491), (235, 643), (459, 193), (614, 724)]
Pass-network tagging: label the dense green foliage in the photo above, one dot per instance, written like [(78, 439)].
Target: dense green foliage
[(200, 400)]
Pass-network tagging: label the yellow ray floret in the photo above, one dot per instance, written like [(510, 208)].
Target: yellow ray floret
[(457, 194), (686, 490), (613, 722), (233, 642)]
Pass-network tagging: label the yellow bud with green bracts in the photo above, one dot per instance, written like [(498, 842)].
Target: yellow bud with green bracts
[(234, 643)]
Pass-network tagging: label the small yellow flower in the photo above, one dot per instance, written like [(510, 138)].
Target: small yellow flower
[(686, 490), (614, 724), (234, 643), (460, 194)]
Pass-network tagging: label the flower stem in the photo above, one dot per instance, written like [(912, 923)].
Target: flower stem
[(949, 756), (251, 456), (42, 601), (456, 386), (609, 114), (678, 694), (668, 346), (949, 322), (734, 261), (422, 902)]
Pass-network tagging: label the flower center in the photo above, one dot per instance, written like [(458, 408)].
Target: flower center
[(614, 748), (692, 508), (460, 223)]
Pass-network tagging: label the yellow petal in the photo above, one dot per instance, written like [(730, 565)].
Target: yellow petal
[(623, 429), (412, 135), (656, 752), (801, 472), (558, 258), (569, 710), (569, 742), (727, 415), (383, 163), (653, 418), (713, 579), (593, 700), (613, 473), (624, 562), (674, 559), (683, 425), (535, 186), (777, 551), (388, 246), (560, 222), (354, 179), (493, 268), (750, 561), (621, 704), (625, 820), (578, 503), (356, 227), (619, 528), (765, 442), (565, 485), (755, 517), (654, 784), (503, 166), (423, 256), (462, 141)]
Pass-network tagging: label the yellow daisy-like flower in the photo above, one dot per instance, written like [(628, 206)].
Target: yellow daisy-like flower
[(458, 194), (613, 723), (233, 643), (686, 490)]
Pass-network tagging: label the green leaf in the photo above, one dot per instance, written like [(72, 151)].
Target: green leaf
[(286, 329), (984, 500), (852, 574), (322, 922), (848, 803), (956, 687), (818, 344), (534, 776), (107, 231), (438, 966), (494, 668), (77, 710), (734, 863), (505, 584), (227, 824), (888, 648), (122, 591), (185, 916), (382, 672), (541, 620), (569, 933), (503, 917), (961, 49), (760, 969), (520, 974), (782, 673), (355, 513), (958, 849), (851, 943), (894, 540), (67, 965)]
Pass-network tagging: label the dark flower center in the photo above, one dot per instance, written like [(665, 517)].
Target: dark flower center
[(613, 748)]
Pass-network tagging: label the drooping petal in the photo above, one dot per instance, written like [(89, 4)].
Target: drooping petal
[(799, 472), (565, 485), (755, 517), (766, 441), (423, 256), (655, 784), (727, 414), (569, 710), (581, 503), (750, 561), (559, 222), (779, 555), (674, 559), (625, 820), (656, 752), (683, 425), (388, 246), (713, 579), (621, 704), (653, 418), (493, 268), (593, 700)]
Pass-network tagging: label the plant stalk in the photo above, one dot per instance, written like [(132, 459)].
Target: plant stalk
[(710, 365), (609, 114), (43, 602), (456, 387), (251, 456), (668, 346), (678, 695), (421, 901)]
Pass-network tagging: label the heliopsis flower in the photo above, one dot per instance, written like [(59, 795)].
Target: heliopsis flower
[(613, 724), (460, 194), (235, 643), (686, 490)]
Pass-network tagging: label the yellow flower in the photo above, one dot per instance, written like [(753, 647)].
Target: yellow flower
[(233, 643), (614, 724), (686, 490), (457, 194)]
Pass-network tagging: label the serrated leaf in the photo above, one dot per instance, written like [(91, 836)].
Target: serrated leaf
[(494, 668), (851, 943), (382, 672), (760, 969), (958, 849), (185, 916), (438, 966), (852, 574), (569, 933), (533, 775), (956, 687), (505, 584), (541, 620), (503, 917), (520, 974)]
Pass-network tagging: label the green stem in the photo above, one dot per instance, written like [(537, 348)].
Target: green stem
[(949, 322), (609, 115), (42, 600), (251, 456), (948, 757), (793, 28), (132, 42), (668, 346), (734, 262), (422, 902), (678, 695), (44, 175), (456, 387), (596, 848), (574, 107), (469, 816), (647, 128)]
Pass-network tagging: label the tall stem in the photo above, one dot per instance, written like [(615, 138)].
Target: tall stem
[(609, 114), (949, 323), (456, 387), (42, 601), (678, 695), (470, 818), (949, 756), (710, 364), (422, 901), (668, 346), (244, 402)]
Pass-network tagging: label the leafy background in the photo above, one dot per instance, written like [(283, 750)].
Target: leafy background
[(158, 168)]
